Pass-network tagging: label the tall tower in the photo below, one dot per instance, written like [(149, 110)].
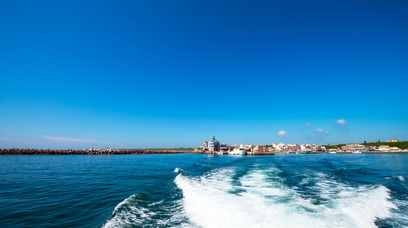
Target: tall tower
[(213, 145)]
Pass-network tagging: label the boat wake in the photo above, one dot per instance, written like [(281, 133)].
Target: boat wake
[(262, 197), (135, 211)]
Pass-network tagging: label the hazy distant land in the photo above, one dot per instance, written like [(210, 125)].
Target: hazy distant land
[(16, 151)]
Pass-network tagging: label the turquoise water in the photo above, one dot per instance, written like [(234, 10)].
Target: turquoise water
[(193, 190)]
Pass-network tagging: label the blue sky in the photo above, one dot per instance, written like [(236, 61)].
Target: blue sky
[(132, 74)]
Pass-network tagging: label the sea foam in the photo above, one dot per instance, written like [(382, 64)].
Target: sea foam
[(262, 199), (135, 211), (129, 212)]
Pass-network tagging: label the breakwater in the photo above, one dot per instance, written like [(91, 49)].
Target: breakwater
[(17, 151), (84, 152)]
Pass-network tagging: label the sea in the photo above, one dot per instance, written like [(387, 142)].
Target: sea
[(197, 190)]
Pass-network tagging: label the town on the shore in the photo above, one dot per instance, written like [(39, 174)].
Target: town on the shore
[(215, 147)]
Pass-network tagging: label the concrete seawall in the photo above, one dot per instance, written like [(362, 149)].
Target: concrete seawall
[(83, 152)]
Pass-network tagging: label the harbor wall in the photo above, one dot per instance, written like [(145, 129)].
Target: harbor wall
[(83, 152)]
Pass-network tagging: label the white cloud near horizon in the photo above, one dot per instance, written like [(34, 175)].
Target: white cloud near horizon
[(9, 139), (322, 130), (308, 124), (281, 133), (341, 121), (68, 140)]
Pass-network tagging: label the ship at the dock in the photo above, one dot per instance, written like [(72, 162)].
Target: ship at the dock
[(238, 151)]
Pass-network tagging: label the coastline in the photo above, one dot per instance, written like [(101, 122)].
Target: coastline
[(145, 151), (84, 152)]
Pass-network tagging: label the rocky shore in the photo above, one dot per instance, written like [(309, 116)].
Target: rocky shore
[(83, 152)]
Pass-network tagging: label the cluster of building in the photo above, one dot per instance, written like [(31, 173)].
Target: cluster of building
[(355, 148), (214, 146)]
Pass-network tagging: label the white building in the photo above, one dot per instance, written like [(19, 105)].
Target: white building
[(213, 145), (278, 146)]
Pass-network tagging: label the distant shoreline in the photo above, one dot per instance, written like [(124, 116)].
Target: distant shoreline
[(85, 152), (133, 151)]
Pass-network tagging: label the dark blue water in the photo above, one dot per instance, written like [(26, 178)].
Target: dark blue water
[(191, 190)]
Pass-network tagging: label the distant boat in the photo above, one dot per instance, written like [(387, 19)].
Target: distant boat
[(357, 152), (221, 152), (332, 152), (238, 151)]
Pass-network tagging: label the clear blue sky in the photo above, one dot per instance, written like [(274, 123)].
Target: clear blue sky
[(127, 74)]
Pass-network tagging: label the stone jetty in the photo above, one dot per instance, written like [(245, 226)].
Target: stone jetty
[(15, 151)]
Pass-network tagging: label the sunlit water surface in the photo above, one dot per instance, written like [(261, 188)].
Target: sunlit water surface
[(193, 190)]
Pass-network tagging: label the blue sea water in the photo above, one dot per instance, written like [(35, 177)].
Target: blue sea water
[(194, 190)]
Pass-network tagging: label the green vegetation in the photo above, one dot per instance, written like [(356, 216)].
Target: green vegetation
[(402, 145), (334, 146)]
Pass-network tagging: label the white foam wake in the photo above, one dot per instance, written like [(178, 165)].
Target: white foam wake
[(128, 212), (262, 199), (134, 212)]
